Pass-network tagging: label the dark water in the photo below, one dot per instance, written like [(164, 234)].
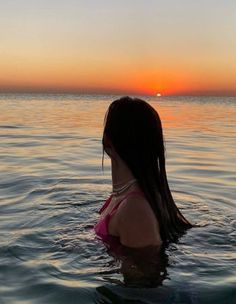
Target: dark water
[(52, 184)]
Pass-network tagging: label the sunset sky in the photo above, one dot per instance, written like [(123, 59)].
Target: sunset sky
[(185, 47)]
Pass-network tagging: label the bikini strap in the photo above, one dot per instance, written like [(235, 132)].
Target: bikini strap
[(133, 193), (106, 204)]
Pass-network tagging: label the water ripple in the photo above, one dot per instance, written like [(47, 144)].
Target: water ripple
[(52, 185)]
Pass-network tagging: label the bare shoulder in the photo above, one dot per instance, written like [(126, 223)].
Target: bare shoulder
[(136, 207), (138, 225)]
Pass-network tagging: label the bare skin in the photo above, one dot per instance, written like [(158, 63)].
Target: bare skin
[(134, 221)]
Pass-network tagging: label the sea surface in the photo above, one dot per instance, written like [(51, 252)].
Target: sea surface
[(52, 184)]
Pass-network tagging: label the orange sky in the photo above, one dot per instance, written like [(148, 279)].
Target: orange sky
[(142, 48)]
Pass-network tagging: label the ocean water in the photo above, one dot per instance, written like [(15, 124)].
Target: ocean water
[(52, 184)]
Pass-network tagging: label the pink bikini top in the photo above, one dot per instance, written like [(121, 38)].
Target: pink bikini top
[(101, 228)]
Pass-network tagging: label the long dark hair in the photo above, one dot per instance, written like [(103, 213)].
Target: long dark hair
[(134, 129)]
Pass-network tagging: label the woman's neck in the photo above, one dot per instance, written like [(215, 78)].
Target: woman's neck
[(121, 174)]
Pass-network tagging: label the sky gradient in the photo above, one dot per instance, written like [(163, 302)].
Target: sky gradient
[(185, 47)]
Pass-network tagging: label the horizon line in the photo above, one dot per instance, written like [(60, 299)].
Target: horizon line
[(123, 93)]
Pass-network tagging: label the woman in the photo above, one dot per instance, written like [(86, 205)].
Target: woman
[(141, 211)]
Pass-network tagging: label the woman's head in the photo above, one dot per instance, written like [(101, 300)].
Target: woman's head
[(134, 129)]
